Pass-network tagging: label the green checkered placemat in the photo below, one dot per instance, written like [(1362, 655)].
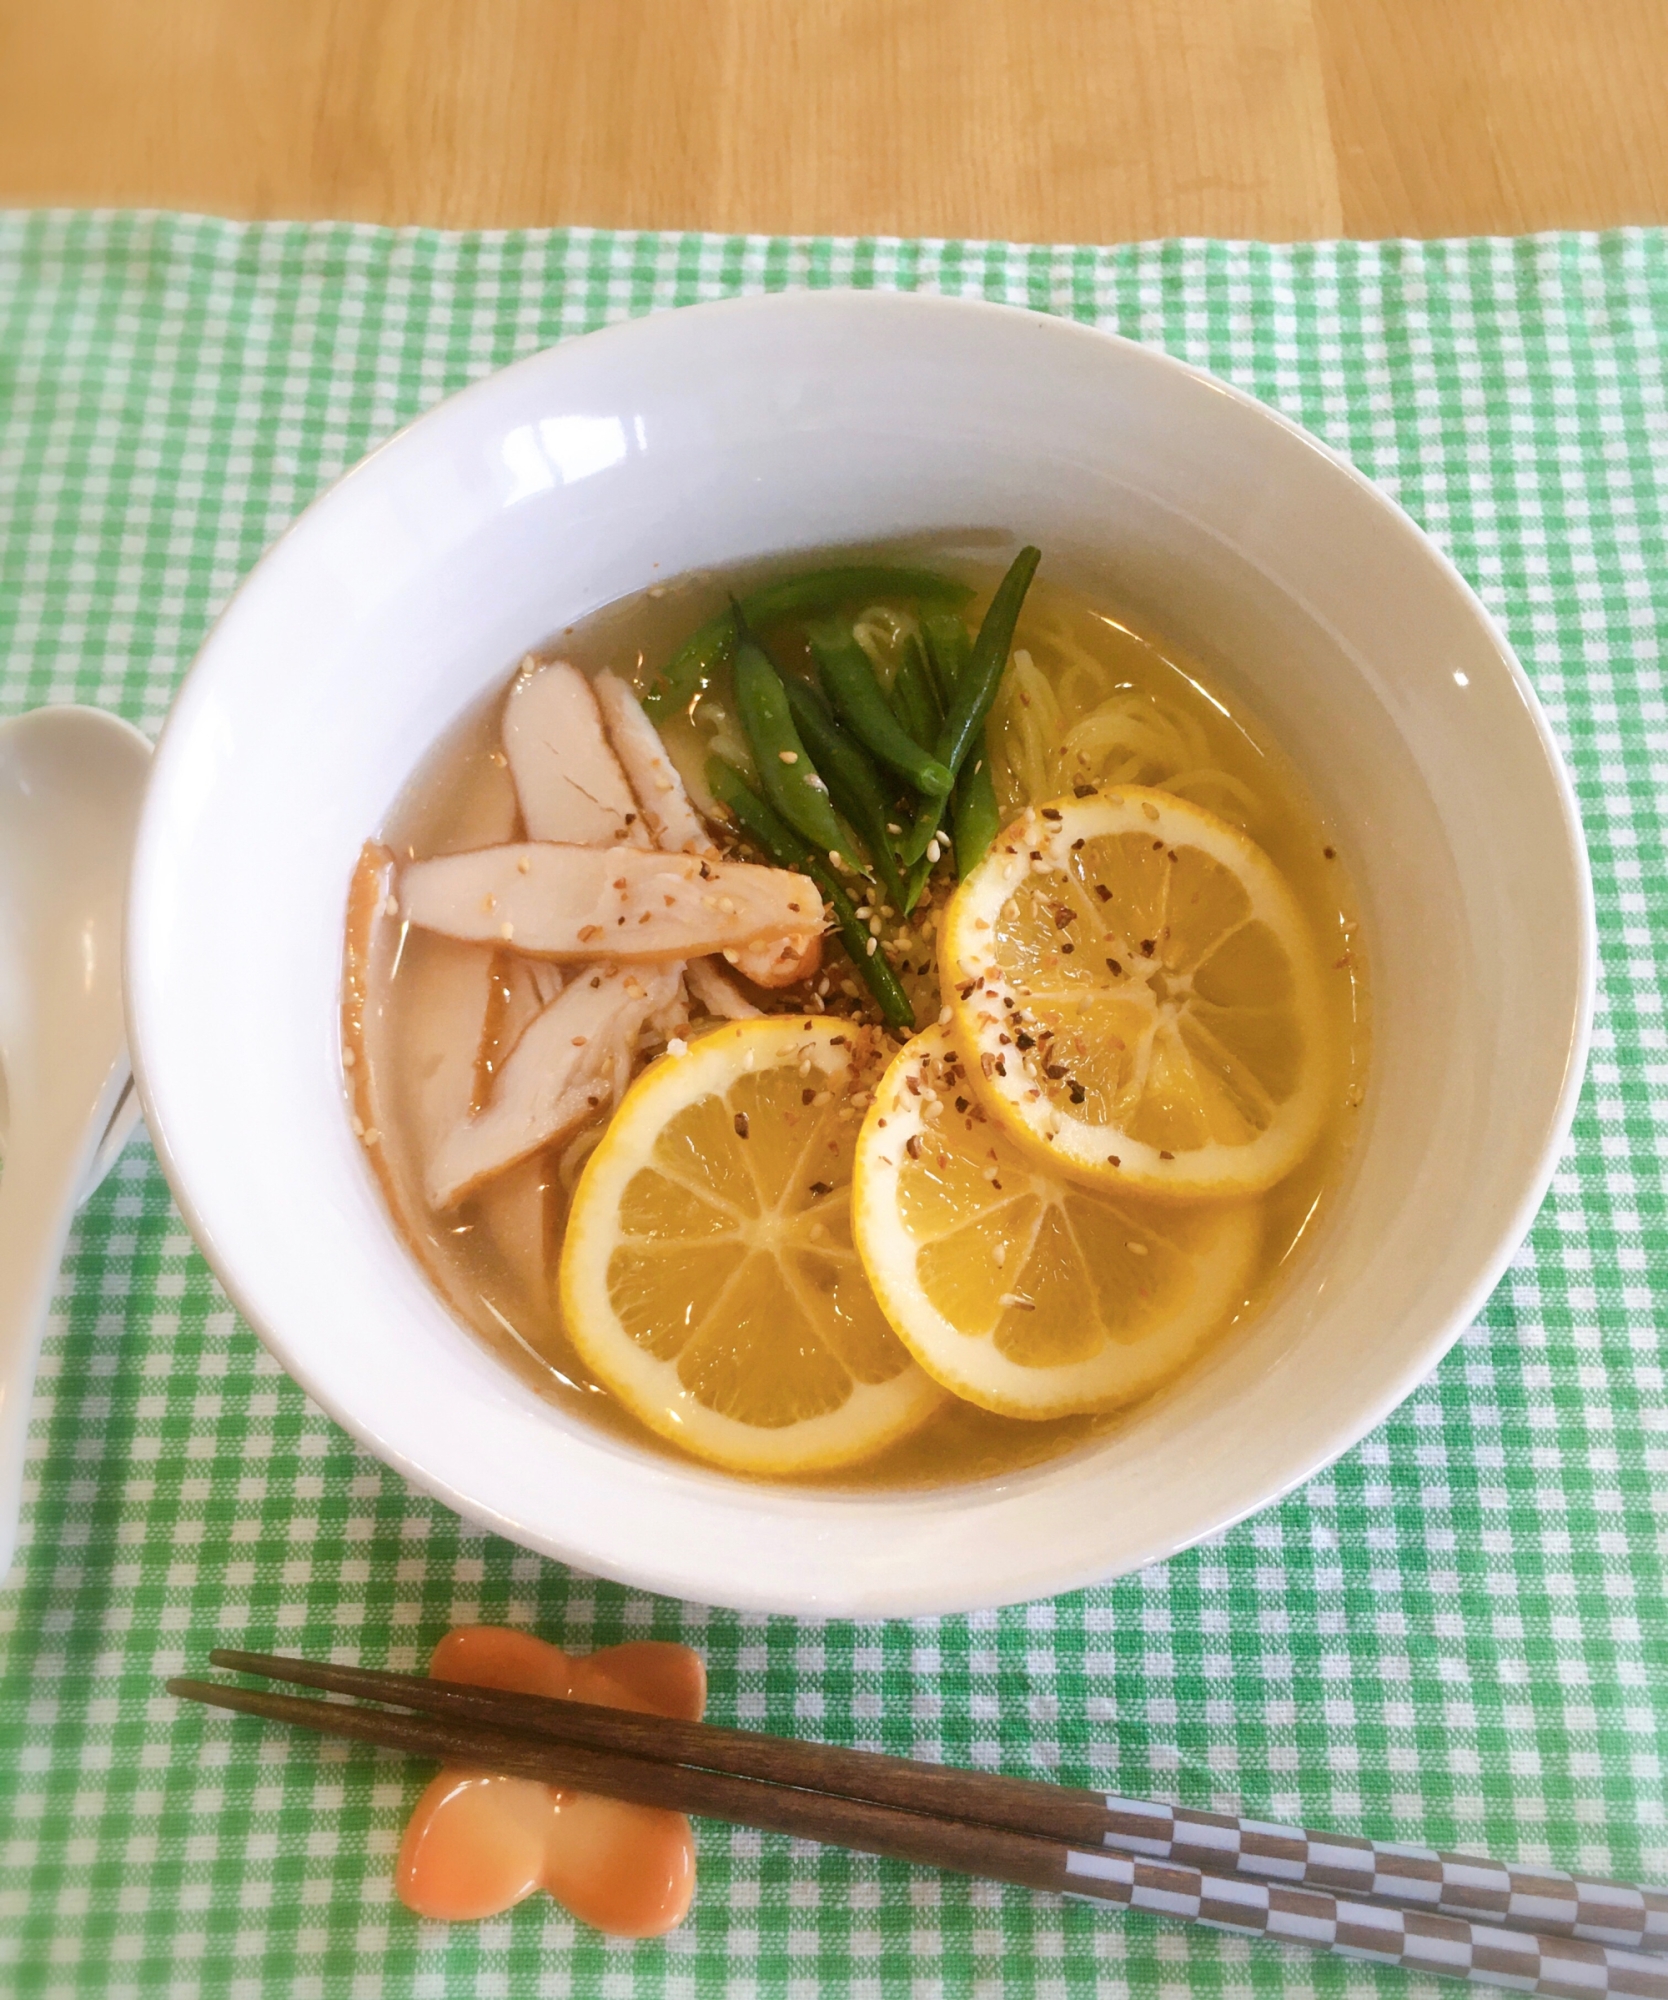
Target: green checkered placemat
[(1457, 1635)]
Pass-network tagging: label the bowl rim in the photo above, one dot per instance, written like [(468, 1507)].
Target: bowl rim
[(1046, 1580)]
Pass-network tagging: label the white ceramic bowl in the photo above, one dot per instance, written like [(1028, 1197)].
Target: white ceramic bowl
[(726, 432)]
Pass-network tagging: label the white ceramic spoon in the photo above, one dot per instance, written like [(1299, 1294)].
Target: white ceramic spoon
[(71, 780)]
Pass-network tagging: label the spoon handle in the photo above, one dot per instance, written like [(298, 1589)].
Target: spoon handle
[(46, 1164)]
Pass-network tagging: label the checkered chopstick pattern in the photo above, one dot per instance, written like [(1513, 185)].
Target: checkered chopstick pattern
[(1411, 1939), (1455, 1636), (1459, 1885)]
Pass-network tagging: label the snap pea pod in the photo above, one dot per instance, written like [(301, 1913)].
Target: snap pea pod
[(813, 594), (788, 850), (787, 776), (853, 783), (975, 817), (976, 689), (849, 682)]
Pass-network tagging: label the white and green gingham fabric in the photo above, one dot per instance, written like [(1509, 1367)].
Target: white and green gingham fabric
[(1457, 1635)]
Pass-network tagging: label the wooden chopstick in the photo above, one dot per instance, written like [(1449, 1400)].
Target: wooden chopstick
[(1561, 1968), (1542, 1902)]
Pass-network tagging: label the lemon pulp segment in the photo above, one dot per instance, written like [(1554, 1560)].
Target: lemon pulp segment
[(709, 1274), (1140, 996), (1021, 1289)]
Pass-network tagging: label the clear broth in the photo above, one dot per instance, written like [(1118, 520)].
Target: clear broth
[(480, 1257)]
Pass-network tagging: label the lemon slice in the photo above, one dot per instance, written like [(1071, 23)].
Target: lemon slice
[(1140, 996), (708, 1273), (1019, 1289)]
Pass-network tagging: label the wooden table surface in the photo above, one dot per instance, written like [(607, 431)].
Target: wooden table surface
[(1081, 120)]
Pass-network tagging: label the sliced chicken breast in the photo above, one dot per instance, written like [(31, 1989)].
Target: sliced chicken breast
[(673, 822), (572, 1061), (608, 903), (717, 992), (567, 778)]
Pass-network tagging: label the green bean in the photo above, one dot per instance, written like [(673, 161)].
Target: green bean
[(948, 645), (975, 817), (787, 775), (849, 682), (914, 882), (813, 593), (763, 826), (853, 783), (914, 698), (788, 850), (976, 689)]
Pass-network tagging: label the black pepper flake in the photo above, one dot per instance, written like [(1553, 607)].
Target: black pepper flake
[(1166, 1156), (1063, 916), (1157, 844), (1078, 845), (1054, 1072), (1051, 812), (1331, 853), (1075, 1091), (1148, 947), (1104, 893), (822, 1187), (1082, 791), (961, 1106), (807, 1097), (741, 1124), (1112, 1160), (1024, 1041), (912, 1145)]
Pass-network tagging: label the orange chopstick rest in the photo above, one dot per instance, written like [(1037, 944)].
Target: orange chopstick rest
[(478, 1844)]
